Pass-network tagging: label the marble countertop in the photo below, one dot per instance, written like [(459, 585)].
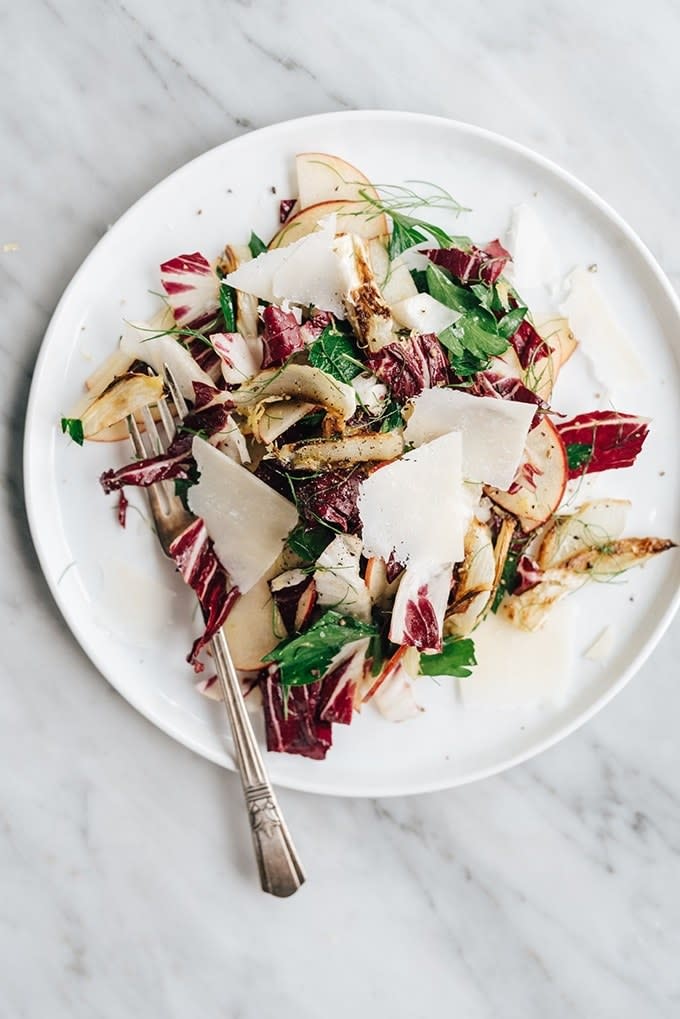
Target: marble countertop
[(127, 886)]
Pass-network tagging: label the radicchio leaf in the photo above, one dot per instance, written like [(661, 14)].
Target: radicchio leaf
[(192, 287), (196, 560), (176, 463), (407, 367), (211, 415), (291, 725), (294, 595), (340, 683), (332, 498), (529, 344), (607, 439), (282, 336), (419, 608), (241, 358), (206, 358), (476, 265), (285, 208), (311, 329), (122, 508), (527, 574)]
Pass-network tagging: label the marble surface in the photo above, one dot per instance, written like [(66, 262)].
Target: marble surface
[(126, 880)]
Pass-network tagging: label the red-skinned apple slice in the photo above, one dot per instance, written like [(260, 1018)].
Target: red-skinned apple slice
[(354, 217), (326, 178), (540, 481)]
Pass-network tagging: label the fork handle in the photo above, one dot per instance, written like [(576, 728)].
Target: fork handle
[(280, 870)]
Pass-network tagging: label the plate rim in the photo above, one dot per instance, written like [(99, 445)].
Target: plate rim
[(31, 495)]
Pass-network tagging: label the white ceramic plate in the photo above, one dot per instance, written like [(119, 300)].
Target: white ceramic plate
[(120, 597)]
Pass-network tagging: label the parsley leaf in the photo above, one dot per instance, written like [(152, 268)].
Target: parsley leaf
[(256, 244), (419, 277), (579, 454), (227, 304), (455, 659), (484, 294), (471, 342), (508, 579), (403, 236), (336, 354), (391, 417), (443, 289), (511, 322), (309, 542), (74, 427), (305, 658)]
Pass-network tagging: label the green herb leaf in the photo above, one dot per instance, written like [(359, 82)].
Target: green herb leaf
[(508, 579), (442, 288), (408, 230), (305, 658), (419, 277), (309, 542), (403, 236), (455, 659), (74, 427), (511, 322), (391, 417), (579, 454), (484, 294), (336, 354), (256, 244), (228, 306)]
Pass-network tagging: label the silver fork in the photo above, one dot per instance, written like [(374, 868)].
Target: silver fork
[(280, 871)]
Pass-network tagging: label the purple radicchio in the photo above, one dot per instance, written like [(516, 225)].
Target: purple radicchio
[(332, 498), (282, 336), (175, 464), (408, 367), (341, 682), (192, 287), (476, 265), (419, 607), (196, 560), (290, 716), (529, 345)]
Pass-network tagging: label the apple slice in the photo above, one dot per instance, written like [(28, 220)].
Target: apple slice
[(353, 217), (540, 480), (541, 376), (254, 626), (326, 178)]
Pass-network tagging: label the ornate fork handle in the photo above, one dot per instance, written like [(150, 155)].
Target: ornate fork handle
[(280, 871)]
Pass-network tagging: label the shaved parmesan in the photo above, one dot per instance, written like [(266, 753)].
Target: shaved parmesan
[(245, 518), (398, 283), (602, 647), (310, 275), (517, 669), (605, 344), (493, 431), (422, 313), (534, 260), (143, 343), (414, 507), (305, 272), (338, 582), (256, 276)]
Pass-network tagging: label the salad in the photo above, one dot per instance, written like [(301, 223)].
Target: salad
[(374, 454)]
